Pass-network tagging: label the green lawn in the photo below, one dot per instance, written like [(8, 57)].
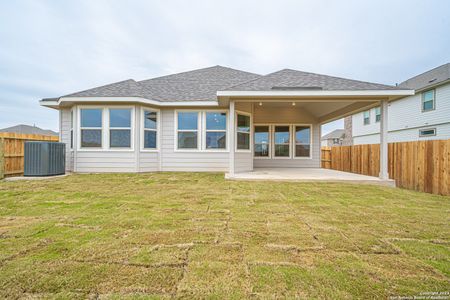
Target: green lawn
[(190, 235)]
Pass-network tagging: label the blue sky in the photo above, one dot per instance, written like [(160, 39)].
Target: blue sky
[(52, 48)]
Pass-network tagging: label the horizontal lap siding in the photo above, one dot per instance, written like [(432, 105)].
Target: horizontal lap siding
[(148, 162), (172, 160), (65, 136), (243, 162), (106, 161)]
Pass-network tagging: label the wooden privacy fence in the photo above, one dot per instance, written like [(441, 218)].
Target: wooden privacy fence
[(422, 166), (12, 151)]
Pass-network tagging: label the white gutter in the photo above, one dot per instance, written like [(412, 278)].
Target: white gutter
[(62, 100), (314, 93)]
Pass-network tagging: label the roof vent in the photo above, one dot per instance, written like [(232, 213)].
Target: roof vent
[(297, 88), (432, 80)]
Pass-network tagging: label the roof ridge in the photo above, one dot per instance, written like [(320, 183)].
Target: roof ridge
[(184, 72), (423, 73)]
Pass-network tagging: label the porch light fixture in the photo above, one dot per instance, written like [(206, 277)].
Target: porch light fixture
[(260, 103), (293, 103)]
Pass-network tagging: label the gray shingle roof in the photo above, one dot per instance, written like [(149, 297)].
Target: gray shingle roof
[(335, 134), (203, 84), (198, 85), (293, 79), (126, 88), (429, 78)]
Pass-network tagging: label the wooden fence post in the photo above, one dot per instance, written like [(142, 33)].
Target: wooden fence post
[(2, 158)]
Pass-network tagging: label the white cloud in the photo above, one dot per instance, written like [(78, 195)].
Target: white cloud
[(50, 48)]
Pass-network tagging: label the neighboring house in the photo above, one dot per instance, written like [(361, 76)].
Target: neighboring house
[(333, 138), (27, 129), (423, 116), (211, 119)]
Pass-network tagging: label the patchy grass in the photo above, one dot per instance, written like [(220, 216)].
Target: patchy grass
[(190, 235)]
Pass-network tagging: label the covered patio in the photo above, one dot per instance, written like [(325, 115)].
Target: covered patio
[(281, 115)]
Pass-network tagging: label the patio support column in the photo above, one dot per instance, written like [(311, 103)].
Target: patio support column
[(231, 138), (384, 140)]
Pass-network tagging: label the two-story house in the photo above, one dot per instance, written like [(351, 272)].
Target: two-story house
[(425, 115)]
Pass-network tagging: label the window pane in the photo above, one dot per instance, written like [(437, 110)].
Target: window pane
[(91, 138), (216, 140), (243, 141), (261, 134), (243, 123), (428, 96), (119, 138), (149, 139), (281, 134), (428, 105), (302, 150), (216, 121), (377, 114), (150, 119), (187, 140), (120, 117), (187, 120), (302, 134), (261, 150), (366, 114), (282, 150), (91, 118)]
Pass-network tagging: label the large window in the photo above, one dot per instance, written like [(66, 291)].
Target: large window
[(303, 141), (243, 132), (262, 141), (428, 100), (91, 128), (366, 115), (282, 141), (150, 136), (216, 130), (120, 127), (187, 130)]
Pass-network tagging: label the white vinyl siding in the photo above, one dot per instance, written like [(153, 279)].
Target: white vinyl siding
[(64, 135), (405, 118), (174, 160)]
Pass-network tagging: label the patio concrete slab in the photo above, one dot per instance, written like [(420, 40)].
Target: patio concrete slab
[(308, 175)]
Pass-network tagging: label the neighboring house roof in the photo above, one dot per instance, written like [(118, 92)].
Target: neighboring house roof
[(198, 85), (203, 84), (335, 134), (27, 129), (288, 79), (428, 78)]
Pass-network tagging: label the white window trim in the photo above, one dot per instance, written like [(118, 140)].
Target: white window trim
[(250, 146), (105, 128), (199, 135), (423, 100), (364, 118), (375, 109), (294, 141), (157, 130), (131, 128), (205, 130), (290, 142), (270, 142), (427, 135)]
